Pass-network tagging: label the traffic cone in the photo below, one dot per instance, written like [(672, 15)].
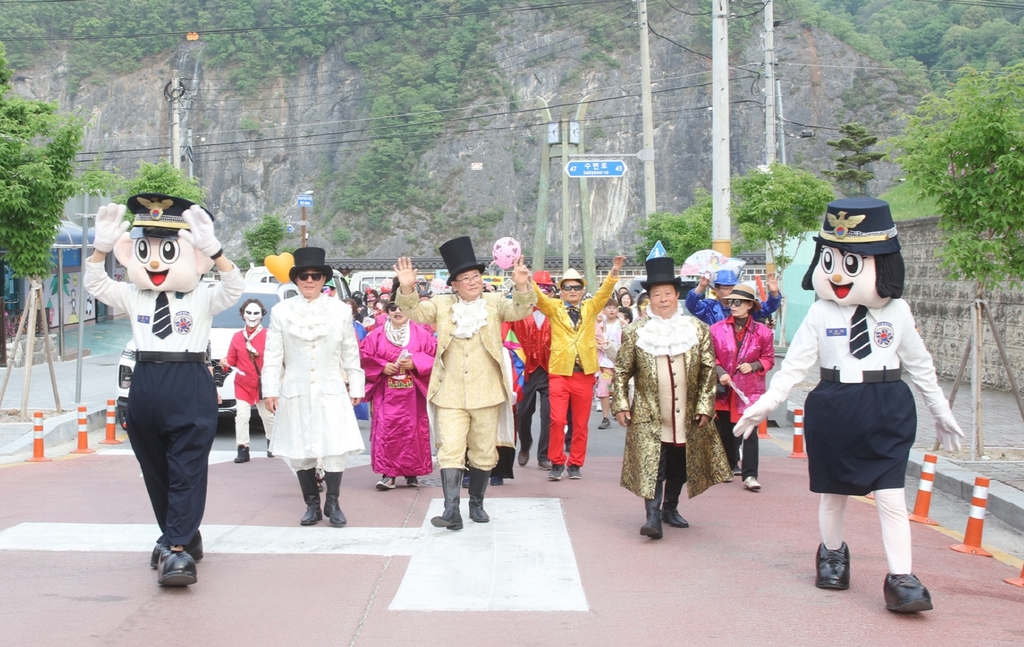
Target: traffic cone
[(798, 434), (924, 491), (37, 439), (762, 430), (976, 520), (83, 433), (111, 438), (1016, 581)]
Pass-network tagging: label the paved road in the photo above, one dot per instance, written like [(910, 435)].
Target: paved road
[(741, 575)]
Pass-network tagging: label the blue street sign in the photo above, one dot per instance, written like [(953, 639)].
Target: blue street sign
[(595, 168), (305, 201), (290, 229)]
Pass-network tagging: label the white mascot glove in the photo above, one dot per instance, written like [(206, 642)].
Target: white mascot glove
[(110, 224), (201, 233), (948, 431), (751, 418)]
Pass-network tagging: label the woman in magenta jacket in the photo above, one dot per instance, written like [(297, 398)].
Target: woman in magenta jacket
[(744, 353)]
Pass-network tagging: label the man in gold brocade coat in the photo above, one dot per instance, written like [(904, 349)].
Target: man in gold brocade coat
[(668, 439)]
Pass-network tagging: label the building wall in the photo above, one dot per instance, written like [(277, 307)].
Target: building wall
[(942, 309)]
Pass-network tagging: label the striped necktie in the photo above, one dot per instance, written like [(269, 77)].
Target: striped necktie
[(860, 343), (162, 317)]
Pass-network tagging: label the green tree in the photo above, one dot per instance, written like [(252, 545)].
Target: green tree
[(162, 177), (965, 150), (682, 234), (853, 155), (263, 239)]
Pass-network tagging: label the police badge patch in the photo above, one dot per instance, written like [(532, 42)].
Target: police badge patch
[(182, 323), (884, 334)]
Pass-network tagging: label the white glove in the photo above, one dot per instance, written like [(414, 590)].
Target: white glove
[(110, 224), (751, 418), (948, 431), (202, 235)]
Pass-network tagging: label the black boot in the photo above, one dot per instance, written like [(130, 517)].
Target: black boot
[(451, 518), (243, 454), (477, 486), (652, 528), (270, 454), (331, 510), (307, 481), (833, 568), (906, 594), (670, 510)]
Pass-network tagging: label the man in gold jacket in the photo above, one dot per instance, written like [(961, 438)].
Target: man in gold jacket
[(668, 439), (572, 365), (470, 392)]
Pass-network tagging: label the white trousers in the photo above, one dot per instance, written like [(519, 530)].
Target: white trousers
[(892, 514), (243, 411), (330, 463)]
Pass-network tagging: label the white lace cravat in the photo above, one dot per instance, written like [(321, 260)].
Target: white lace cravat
[(670, 337), (307, 320), (469, 317)]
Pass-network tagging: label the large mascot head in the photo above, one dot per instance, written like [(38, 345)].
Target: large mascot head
[(857, 260), (158, 250)]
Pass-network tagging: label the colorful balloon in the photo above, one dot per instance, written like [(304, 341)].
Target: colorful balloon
[(280, 265), (506, 251)]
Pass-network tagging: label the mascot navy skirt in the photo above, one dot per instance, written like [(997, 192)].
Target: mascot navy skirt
[(859, 436)]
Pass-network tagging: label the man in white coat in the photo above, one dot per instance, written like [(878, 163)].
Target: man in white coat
[(312, 378)]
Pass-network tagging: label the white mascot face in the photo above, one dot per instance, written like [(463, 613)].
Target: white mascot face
[(846, 278), (253, 315), (162, 264)]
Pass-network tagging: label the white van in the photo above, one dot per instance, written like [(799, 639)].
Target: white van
[(360, 281)]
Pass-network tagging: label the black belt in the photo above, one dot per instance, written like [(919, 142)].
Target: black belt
[(165, 356), (868, 377)]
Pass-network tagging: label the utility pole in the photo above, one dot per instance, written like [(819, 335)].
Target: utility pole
[(645, 108), (769, 81), (721, 228), (188, 151), (586, 224), (540, 233), (175, 126), (564, 129), (782, 131)]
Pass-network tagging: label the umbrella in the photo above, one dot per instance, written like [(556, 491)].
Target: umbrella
[(706, 261)]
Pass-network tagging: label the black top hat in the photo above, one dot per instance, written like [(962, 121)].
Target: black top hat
[(859, 225), (158, 215), (660, 271), (459, 256), (310, 258)]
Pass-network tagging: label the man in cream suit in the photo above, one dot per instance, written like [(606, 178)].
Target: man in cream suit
[(470, 394)]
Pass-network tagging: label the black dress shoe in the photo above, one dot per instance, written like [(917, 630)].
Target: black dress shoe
[(194, 548), (833, 568), (243, 454), (906, 594), (524, 458), (176, 569)]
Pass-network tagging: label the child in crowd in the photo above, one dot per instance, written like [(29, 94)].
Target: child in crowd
[(609, 336)]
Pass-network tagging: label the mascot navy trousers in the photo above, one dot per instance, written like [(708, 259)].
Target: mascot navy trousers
[(172, 419)]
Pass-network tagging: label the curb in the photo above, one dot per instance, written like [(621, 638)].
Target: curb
[(59, 429), (1006, 503)]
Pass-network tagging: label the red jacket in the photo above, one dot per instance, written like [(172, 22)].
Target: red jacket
[(536, 341), (246, 375)]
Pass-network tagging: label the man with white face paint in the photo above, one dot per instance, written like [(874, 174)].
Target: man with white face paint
[(860, 421), (245, 355)]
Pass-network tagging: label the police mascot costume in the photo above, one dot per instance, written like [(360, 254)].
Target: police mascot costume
[(860, 421), (172, 404)]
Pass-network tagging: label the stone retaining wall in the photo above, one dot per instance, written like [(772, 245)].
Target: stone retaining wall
[(942, 309)]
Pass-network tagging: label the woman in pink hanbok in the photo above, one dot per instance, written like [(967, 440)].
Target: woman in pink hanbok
[(397, 358)]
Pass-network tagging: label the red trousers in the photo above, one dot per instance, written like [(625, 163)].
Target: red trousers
[(577, 391)]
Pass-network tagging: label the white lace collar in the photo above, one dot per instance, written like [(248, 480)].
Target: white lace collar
[(672, 336), (307, 320), (468, 316)]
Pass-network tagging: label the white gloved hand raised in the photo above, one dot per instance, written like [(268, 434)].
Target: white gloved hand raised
[(948, 431), (110, 224), (751, 418), (201, 233)]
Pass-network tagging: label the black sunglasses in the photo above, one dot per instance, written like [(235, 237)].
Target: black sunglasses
[(572, 288), (735, 302), (306, 276)]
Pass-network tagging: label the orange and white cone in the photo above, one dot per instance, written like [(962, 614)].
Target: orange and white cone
[(798, 434), (762, 430), (111, 438), (924, 491), (1016, 581), (37, 440), (976, 520), (83, 432)]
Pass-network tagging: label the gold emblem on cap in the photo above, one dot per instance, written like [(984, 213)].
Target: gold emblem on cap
[(842, 224), (156, 209)]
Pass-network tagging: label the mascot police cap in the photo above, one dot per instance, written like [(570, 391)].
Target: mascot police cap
[(158, 215), (860, 225)]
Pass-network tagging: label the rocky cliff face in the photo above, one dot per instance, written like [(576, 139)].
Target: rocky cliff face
[(254, 154)]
